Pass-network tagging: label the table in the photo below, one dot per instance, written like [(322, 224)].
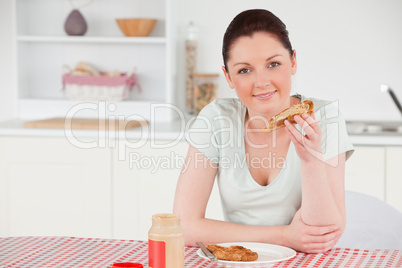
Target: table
[(95, 252)]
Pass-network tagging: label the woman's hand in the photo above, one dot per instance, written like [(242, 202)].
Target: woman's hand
[(310, 239), (307, 146)]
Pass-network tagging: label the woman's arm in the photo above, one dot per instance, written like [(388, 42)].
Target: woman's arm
[(323, 198), (323, 192), (192, 194)]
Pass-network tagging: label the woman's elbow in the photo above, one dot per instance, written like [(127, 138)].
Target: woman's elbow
[(342, 224), (187, 224), (190, 235)]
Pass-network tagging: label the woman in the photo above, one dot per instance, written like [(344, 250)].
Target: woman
[(285, 187)]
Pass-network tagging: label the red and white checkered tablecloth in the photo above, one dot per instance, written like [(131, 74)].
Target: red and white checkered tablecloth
[(94, 252)]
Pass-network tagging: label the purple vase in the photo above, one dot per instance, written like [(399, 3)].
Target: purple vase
[(75, 23)]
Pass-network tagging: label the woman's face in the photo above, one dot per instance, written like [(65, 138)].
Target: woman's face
[(260, 70)]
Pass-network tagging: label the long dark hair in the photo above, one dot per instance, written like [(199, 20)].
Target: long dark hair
[(251, 21)]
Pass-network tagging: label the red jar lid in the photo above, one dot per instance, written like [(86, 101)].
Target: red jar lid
[(127, 265)]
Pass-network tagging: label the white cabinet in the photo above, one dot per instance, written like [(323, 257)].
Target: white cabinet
[(144, 184), (394, 177), (376, 171), (365, 171), (50, 187), (42, 48)]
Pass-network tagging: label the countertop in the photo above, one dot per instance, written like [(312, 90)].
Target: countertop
[(376, 140), (174, 130), (158, 130)]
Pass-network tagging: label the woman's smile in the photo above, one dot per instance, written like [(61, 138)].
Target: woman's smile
[(265, 96)]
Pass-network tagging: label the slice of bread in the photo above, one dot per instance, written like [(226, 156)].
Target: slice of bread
[(232, 253), (278, 121)]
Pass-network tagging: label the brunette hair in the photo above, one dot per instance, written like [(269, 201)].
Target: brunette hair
[(251, 21)]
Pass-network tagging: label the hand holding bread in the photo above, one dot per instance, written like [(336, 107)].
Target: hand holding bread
[(308, 145), (307, 142), (278, 121)]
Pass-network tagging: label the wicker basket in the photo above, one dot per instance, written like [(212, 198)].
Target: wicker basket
[(99, 88)]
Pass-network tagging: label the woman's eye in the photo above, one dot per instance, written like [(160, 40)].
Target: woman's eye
[(274, 64), (243, 71)]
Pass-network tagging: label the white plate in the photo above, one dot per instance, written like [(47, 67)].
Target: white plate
[(267, 254)]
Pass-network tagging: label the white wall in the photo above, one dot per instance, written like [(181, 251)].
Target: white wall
[(345, 49), (7, 92)]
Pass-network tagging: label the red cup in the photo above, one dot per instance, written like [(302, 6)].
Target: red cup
[(127, 265)]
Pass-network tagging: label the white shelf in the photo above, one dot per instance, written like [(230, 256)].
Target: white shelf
[(66, 101), (43, 48), (91, 39), (75, 102)]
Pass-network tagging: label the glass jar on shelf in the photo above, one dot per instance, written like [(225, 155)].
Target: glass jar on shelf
[(205, 90), (191, 64)]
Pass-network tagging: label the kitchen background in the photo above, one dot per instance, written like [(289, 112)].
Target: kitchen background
[(49, 185), (345, 49)]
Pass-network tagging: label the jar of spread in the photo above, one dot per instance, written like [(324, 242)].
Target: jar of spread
[(205, 87), (166, 242)]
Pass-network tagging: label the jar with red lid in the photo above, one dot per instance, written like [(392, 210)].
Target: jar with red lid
[(166, 242)]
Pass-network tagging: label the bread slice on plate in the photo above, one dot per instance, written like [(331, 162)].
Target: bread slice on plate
[(278, 121), (232, 253)]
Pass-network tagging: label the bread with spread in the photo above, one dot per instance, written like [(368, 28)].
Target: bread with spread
[(278, 121), (232, 253)]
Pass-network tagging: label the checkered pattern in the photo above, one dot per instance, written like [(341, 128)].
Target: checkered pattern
[(94, 252)]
